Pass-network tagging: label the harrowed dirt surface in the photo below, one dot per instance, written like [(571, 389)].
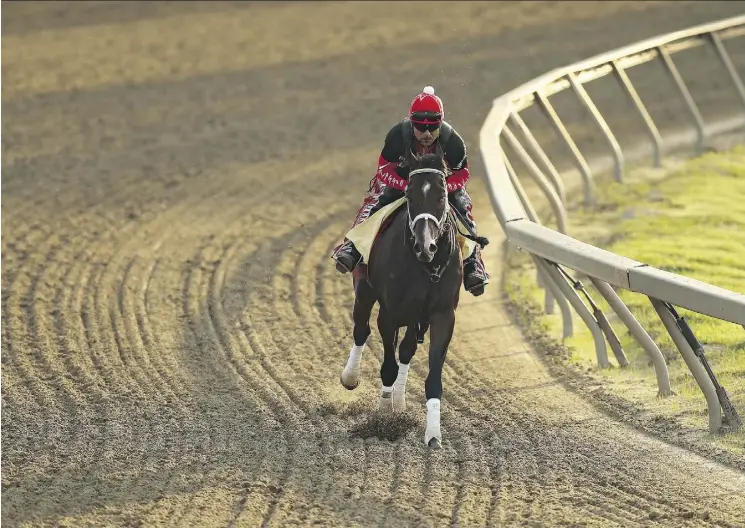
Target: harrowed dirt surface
[(174, 177)]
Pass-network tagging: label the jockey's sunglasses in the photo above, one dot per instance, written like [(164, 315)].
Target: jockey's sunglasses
[(424, 121), (424, 127)]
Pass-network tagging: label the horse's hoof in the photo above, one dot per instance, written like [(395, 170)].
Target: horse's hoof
[(434, 443), (386, 402), (348, 386)]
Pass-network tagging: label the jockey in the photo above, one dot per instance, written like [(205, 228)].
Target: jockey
[(424, 131)]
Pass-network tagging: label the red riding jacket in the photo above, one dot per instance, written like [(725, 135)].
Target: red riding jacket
[(391, 171)]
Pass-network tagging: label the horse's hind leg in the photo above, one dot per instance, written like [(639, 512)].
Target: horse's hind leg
[(406, 351), (421, 331), (364, 301), (389, 369), (441, 332)]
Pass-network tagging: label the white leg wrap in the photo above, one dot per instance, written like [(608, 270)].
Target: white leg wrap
[(350, 376), (399, 388), (386, 399), (433, 422)]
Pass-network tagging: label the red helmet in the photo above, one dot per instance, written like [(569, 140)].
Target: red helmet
[(426, 108)]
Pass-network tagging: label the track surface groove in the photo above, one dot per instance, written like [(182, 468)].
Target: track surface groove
[(173, 329)]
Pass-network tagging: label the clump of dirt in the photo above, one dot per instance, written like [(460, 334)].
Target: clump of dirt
[(343, 410), (385, 426), (369, 422)]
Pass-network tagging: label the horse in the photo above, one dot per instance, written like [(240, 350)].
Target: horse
[(414, 272)]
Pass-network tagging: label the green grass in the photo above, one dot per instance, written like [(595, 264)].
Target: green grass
[(690, 221)]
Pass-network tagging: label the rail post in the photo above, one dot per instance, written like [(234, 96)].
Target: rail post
[(632, 94), (586, 100)]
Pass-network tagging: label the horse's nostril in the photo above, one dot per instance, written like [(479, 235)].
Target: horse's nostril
[(433, 248), (417, 248)]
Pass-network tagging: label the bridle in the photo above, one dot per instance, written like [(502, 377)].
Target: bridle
[(435, 271), (439, 222)]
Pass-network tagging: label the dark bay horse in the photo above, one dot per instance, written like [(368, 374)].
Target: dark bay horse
[(414, 272)]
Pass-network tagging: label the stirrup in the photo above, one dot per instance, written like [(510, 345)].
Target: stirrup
[(478, 289)]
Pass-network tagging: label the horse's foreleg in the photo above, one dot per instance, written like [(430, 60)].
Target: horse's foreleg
[(441, 332), (364, 301), (389, 368), (405, 353)]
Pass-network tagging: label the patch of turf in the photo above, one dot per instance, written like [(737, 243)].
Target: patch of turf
[(690, 222)]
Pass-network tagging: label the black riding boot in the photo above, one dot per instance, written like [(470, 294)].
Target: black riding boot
[(347, 257), (475, 277)]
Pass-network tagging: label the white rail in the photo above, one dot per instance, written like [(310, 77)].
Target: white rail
[(551, 248)]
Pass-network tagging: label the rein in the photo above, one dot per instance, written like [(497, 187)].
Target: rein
[(480, 240)]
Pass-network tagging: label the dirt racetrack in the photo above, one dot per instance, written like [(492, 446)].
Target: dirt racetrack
[(174, 176)]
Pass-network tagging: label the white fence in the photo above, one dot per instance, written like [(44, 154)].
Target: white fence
[(551, 249)]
